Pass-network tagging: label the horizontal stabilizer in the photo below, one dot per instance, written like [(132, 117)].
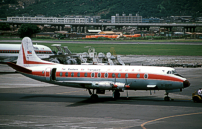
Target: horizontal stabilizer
[(19, 68)]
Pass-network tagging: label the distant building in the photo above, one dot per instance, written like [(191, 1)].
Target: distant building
[(65, 19), (49, 19), (126, 19), (199, 19), (151, 20), (90, 19), (181, 18), (105, 21), (93, 19)]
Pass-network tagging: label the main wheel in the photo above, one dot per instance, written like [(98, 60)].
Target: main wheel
[(94, 97), (116, 95), (195, 99), (167, 98)]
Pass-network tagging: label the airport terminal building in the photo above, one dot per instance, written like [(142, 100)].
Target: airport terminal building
[(126, 19)]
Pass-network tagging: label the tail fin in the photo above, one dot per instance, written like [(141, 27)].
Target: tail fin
[(67, 50), (27, 56)]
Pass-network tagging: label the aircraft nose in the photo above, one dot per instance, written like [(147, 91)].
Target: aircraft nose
[(186, 83)]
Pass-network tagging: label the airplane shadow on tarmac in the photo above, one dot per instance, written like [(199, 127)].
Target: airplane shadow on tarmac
[(80, 100), (140, 100)]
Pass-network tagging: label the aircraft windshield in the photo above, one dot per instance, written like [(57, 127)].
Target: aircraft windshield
[(173, 72)]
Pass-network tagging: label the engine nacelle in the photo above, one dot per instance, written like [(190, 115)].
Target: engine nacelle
[(107, 85), (118, 85), (102, 85)]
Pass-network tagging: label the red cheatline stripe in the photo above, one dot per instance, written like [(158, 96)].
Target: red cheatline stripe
[(130, 75), (9, 51), (17, 51)]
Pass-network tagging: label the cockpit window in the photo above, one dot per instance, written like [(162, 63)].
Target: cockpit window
[(172, 72), (169, 72)]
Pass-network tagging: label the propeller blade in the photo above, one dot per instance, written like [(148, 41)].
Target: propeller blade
[(127, 93)]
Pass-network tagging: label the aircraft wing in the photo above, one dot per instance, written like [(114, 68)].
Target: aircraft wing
[(104, 85), (77, 82)]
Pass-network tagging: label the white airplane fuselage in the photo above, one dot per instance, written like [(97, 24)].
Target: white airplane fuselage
[(98, 77), (136, 77), (9, 52)]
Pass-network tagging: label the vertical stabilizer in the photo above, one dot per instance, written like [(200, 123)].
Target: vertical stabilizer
[(27, 56)]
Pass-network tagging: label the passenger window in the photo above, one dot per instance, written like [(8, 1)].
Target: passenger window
[(72, 74), (113, 75), (86, 74), (99, 75), (61, 74), (126, 75), (92, 74), (106, 75), (119, 75), (42, 72), (66, 74), (138, 75), (78, 74), (146, 76)]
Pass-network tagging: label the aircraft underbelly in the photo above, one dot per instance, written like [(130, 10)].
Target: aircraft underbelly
[(158, 84)]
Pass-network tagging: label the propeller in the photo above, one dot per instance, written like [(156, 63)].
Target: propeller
[(114, 85), (126, 86), (127, 94)]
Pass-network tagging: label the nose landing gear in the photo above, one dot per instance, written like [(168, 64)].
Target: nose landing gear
[(167, 98)]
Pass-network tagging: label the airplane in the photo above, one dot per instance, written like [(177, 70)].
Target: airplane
[(97, 79), (9, 52)]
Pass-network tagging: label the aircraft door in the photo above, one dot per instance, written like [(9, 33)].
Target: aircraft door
[(53, 74), (47, 74)]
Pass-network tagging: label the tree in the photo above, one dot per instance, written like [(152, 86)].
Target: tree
[(28, 30), (4, 26)]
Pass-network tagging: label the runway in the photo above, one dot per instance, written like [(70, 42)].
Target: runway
[(26, 103)]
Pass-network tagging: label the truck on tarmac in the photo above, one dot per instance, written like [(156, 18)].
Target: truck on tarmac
[(197, 96)]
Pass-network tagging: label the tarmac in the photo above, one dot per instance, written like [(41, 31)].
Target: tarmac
[(27, 103)]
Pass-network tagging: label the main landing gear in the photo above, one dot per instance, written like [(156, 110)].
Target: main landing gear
[(93, 96), (116, 94), (167, 98)]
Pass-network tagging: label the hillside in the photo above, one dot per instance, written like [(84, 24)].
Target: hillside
[(105, 8)]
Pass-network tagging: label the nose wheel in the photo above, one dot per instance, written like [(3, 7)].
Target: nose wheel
[(167, 98)]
